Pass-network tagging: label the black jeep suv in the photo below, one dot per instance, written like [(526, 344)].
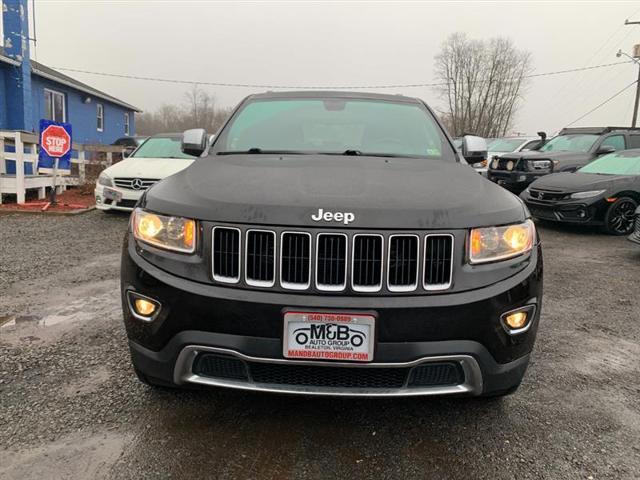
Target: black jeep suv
[(571, 149), (332, 244)]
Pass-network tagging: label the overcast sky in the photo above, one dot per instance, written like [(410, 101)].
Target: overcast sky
[(341, 43)]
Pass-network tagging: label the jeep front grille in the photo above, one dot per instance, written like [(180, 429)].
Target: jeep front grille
[(326, 261)]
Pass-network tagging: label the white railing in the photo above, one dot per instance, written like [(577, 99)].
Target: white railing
[(26, 152)]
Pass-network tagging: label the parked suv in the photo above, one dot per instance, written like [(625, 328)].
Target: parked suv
[(571, 149), (331, 244)]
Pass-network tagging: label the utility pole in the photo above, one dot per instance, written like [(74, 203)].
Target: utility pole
[(636, 52)]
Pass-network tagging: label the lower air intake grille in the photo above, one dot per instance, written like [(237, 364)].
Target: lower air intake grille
[(214, 365), (438, 255), (295, 269), (226, 254), (403, 263), (260, 258), (331, 266), (436, 374), (339, 377), (220, 366)]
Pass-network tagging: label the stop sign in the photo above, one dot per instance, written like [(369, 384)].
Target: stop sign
[(55, 141)]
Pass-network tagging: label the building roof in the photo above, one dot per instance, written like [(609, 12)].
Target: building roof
[(51, 74), (9, 60)]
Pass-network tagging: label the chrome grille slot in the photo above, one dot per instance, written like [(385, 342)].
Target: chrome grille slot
[(225, 253), (366, 263), (438, 262), (259, 258), (402, 265), (295, 260), (331, 261)]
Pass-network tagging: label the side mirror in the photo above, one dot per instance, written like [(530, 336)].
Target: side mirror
[(126, 153), (194, 141), (604, 149), (474, 148)]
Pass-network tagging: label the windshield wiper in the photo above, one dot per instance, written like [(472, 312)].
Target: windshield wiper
[(259, 151)]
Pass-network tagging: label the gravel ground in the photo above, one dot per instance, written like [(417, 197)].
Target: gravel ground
[(70, 406)]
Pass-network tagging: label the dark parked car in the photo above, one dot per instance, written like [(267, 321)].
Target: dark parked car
[(332, 244), (605, 192), (571, 149)]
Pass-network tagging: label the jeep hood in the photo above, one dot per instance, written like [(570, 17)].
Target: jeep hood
[(154, 168), (382, 193)]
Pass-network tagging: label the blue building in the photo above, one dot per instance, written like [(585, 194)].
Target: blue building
[(30, 91)]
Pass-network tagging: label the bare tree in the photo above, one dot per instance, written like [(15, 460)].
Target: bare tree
[(483, 81), (198, 111)]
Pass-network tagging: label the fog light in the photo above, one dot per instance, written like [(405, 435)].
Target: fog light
[(518, 321), (143, 308), (513, 320)]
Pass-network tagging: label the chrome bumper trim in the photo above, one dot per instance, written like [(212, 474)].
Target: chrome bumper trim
[(183, 374)]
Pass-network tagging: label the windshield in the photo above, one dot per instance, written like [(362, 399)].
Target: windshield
[(504, 144), (335, 126), (619, 163), (161, 147), (570, 143)]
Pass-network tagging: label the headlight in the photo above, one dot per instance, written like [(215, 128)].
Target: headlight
[(481, 164), (171, 233), (541, 164), (589, 194), (105, 180), (499, 243)]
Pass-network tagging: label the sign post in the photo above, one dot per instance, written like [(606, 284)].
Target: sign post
[(55, 150)]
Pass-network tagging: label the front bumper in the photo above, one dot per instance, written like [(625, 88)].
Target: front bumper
[(459, 329), (580, 213), (127, 204), (514, 181)]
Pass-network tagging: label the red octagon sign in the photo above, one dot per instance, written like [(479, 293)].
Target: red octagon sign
[(56, 142)]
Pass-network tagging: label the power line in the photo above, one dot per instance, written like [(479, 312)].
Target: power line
[(312, 87), (604, 103)]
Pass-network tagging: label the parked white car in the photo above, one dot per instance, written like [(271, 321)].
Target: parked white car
[(121, 185)]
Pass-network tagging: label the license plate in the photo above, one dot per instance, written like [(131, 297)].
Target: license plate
[(328, 336), (112, 194)]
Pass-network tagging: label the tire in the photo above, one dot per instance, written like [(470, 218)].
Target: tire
[(620, 216)]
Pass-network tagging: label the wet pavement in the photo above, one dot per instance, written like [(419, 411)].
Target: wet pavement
[(70, 406)]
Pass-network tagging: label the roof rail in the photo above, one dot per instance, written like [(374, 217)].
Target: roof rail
[(596, 130)]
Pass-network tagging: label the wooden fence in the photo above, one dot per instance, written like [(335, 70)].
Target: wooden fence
[(25, 155)]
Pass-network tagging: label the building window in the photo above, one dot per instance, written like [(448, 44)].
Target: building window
[(126, 124), (54, 108), (100, 117)]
